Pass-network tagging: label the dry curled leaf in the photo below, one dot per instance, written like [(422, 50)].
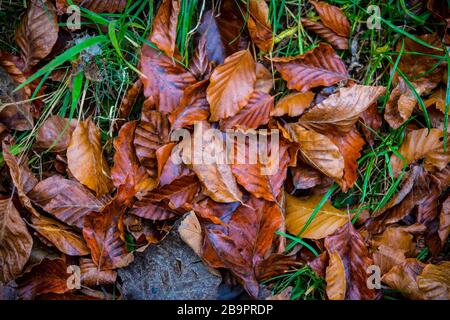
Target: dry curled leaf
[(332, 17), (318, 67), (258, 24), (326, 34), (15, 241), (37, 32), (326, 221), (85, 158)]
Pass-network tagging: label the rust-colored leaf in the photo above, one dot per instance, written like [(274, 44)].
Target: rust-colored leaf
[(100, 230), (231, 85), (332, 17), (403, 278), (163, 79), (64, 238), (129, 100), (85, 158), (318, 67), (92, 276), (37, 32), (350, 247), (258, 24), (15, 241), (127, 170), (164, 30), (254, 114), (66, 199), (434, 281), (54, 134), (326, 34)]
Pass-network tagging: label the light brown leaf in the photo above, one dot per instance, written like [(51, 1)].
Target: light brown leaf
[(293, 104), (335, 278), (190, 231), (231, 85), (327, 220), (264, 79), (37, 32), (422, 144), (164, 30), (85, 158), (15, 241), (340, 111), (434, 281), (61, 236), (403, 278), (318, 67), (92, 276)]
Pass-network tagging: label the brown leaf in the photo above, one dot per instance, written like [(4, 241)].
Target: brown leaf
[(387, 257), (231, 85), (22, 178), (350, 247), (258, 24), (340, 111), (200, 66), (247, 240), (254, 114), (326, 34), (293, 104), (422, 144), (335, 278), (371, 119), (403, 278), (127, 170), (15, 241), (327, 220), (190, 231), (92, 276), (97, 6), (444, 221), (164, 30), (153, 211), (37, 32), (85, 158), (318, 150), (100, 230), (54, 134), (169, 170), (434, 281), (318, 67), (305, 177), (64, 238), (163, 79), (13, 66), (66, 199), (50, 276), (193, 106), (151, 133), (129, 100), (264, 79), (263, 179), (437, 98), (332, 17)]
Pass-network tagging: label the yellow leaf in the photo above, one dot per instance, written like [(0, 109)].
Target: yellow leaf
[(327, 220)]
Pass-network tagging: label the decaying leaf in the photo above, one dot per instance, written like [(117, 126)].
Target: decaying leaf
[(258, 24), (165, 27)]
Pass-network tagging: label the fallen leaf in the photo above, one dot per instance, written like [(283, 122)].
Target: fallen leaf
[(254, 114), (85, 158), (335, 278), (66, 199), (15, 241), (293, 104), (434, 281), (326, 221), (332, 17), (258, 24), (231, 85), (190, 232), (200, 66), (90, 275), (164, 29), (320, 66), (326, 34), (340, 111), (54, 134), (61, 236), (264, 79), (422, 144), (37, 32), (350, 247), (444, 221), (403, 278), (163, 79), (128, 101), (100, 230)]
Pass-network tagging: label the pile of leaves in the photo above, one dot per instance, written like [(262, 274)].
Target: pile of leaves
[(95, 204)]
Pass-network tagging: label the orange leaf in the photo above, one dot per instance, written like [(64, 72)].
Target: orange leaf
[(293, 104), (164, 30), (333, 18)]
